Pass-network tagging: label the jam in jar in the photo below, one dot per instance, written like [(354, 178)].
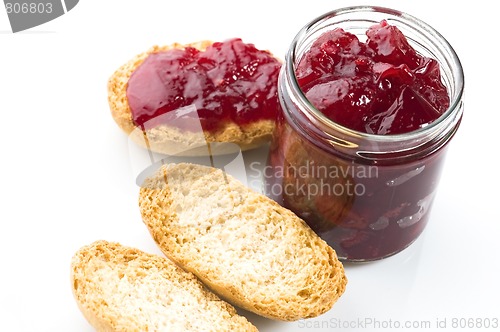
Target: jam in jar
[(371, 97)]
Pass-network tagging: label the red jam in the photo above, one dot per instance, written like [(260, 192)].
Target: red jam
[(365, 208), (382, 86), (229, 81)]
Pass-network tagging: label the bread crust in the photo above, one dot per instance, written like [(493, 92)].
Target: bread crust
[(245, 247), (109, 280), (168, 139)]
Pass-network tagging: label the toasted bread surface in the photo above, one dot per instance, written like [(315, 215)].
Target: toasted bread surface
[(120, 289), (244, 246)]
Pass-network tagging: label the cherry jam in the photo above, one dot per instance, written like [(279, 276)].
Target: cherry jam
[(229, 81), (360, 144), (382, 86)]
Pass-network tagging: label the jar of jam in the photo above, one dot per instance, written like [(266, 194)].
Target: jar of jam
[(370, 96)]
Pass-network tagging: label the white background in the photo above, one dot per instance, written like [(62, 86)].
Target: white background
[(67, 179)]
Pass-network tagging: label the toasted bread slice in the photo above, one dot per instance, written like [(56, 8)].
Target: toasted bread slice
[(124, 289), (167, 139), (245, 247)]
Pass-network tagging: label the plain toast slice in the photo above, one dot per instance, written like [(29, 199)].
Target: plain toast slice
[(244, 246), (120, 289)]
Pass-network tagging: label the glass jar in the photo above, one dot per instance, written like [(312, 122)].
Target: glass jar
[(367, 195)]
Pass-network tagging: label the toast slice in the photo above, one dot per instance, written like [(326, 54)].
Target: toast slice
[(168, 139), (245, 247), (119, 288)]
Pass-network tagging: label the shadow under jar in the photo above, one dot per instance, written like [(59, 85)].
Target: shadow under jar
[(367, 194)]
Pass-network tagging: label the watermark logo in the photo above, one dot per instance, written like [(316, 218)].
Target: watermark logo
[(391, 324), (182, 140), (26, 14)]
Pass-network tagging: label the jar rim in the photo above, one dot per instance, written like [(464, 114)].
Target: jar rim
[(458, 76)]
